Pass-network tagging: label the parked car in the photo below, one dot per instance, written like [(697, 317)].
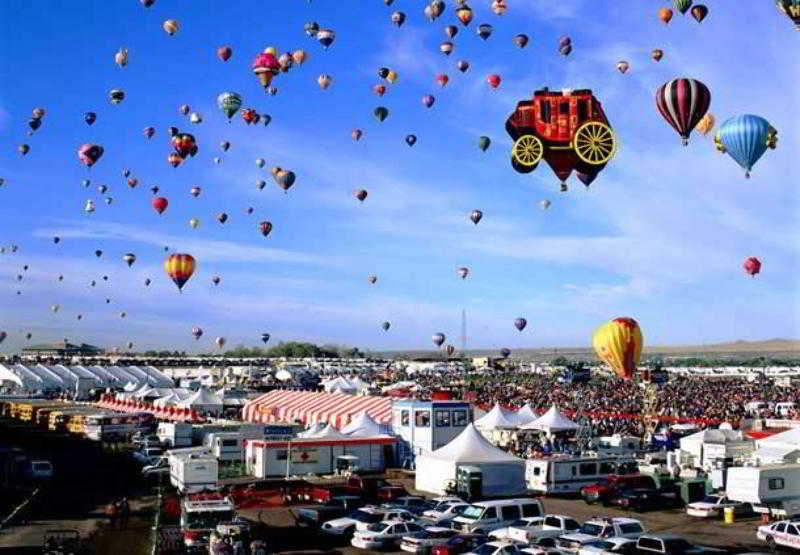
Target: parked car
[(713, 505), (444, 512), (785, 533), (600, 529), (496, 548), (148, 455), (143, 440), (411, 503), (609, 546), (363, 517), (671, 545), (543, 546), (645, 499), (335, 508), (462, 543), (610, 487), (40, 470), (383, 534), (423, 542), (522, 524), (551, 526)]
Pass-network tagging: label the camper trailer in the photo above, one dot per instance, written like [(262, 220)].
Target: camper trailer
[(772, 489), (230, 446), (566, 475), (175, 434)]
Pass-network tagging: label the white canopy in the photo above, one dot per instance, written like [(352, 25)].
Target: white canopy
[(470, 447), (202, 399), (363, 426), (525, 415), (552, 421), (312, 430), (328, 432), (497, 418)]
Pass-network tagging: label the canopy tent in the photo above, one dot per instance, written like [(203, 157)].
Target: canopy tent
[(363, 426), (309, 407), (502, 474), (312, 430), (8, 375), (327, 432), (496, 419), (524, 415), (551, 422), (202, 400)]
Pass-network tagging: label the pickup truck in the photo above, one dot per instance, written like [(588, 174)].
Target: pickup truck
[(671, 545), (335, 508), (601, 528), (371, 489), (551, 526)]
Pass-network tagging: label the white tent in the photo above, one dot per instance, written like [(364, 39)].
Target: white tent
[(202, 400), (328, 432), (496, 419), (363, 426), (524, 415), (551, 422), (312, 430), (503, 474)]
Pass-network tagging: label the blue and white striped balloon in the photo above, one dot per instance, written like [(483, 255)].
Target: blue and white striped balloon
[(745, 138)]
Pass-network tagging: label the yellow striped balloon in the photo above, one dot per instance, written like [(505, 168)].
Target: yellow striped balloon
[(619, 343), (179, 267)]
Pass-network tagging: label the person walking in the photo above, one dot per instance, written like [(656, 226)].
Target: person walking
[(111, 513), (124, 513)]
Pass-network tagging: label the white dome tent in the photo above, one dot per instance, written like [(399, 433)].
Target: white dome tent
[(363, 426), (524, 415), (202, 400), (503, 474), (496, 419), (552, 422)]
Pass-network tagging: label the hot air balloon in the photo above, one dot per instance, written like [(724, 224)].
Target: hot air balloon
[(130, 345), (27, 335), (619, 343), (438, 339), (159, 204), (462, 66), (55, 308), (89, 118), (222, 217), (463, 272), (197, 333), (441, 79), (326, 37), (170, 27), (260, 162), (194, 223), (521, 40), (195, 117), (746, 138), (499, 7), (324, 81), (665, 15), (311, 28), (446, 48), (38, 113), (147, 282), (115, 96), (225, 145), (449, 350), (791, 8), (98, 253), (699, 12), (484, 30), (428, 100), (34, 124), (683, 102), (121, 57), (372, 279), (184, 144), (229, 103), (122, 315), (356, 134), (451, 31), (265, 228), (56, 239), (172, 131), (129, 259), (149, 132), (179, 267), (386, 326), (102, 189), (520, 323), (285, 179), (154, 189), (220, 341), (752, 266), (493, 80), (545, 204), (360, 194), (379, 89), (89, 206), (464, 14), (184, 109), (391, 76), (265, 338), (706, 124), (261, 184), (623, 66), (657, 54), (436, 9), (682, 5), (380, 113), (299, 57), (265, 66), (215, 280), (89, 154), (475, 216), (224, 53), (411, 140), (398, 18), (132, 182)]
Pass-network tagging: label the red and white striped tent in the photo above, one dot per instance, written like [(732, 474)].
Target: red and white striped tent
[(311, 407)]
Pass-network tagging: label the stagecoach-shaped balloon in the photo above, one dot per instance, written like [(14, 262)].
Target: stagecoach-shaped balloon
[(568, 129)]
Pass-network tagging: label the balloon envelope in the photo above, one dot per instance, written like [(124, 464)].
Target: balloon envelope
[(619, 343)]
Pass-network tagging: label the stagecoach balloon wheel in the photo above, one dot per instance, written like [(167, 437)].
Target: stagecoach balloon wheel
[(595, 143), (527, 151)]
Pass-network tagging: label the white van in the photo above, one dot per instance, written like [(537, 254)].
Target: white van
[(486, 516)]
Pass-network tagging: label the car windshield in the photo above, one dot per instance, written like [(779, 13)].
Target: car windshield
[(678, 544), (442, 507), (204, 520), (472, 512), (485, 549), (591, 529), (377, 527), (364, 516), (713, 499)]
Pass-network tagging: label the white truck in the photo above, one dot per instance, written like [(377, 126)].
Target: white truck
[(230, 446), (193, 472), (175, 434), (771, 489), (601, 528), (551, 526)]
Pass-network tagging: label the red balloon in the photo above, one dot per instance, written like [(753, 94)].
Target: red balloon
[(160, 204), (752, 265), (493, 80)]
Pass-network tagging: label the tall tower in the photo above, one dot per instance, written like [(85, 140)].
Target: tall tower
[(463, 331)]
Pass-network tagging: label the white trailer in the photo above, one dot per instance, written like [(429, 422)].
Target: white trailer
[(194, 473), (565, 474), (771, 489), (230, 446), (175, 434)]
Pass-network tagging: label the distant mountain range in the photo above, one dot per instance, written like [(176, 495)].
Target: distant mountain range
[(733, 349)]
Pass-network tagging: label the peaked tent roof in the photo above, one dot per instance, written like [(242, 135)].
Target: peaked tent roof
[(363, 426), (496, 418), (202, 397), (552, 421), (328, 432), (525, 415), (312, 430), (471, 447)]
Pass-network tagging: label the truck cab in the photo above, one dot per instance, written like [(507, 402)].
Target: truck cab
[(601, 528), (200, 518)]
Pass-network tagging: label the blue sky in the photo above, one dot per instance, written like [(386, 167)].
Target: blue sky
[(659, 236)]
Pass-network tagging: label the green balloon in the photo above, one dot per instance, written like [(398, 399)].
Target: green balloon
[(484, 142), (380, 113), (683, 5), (229, 103)]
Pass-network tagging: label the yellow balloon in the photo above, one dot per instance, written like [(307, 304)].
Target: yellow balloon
[(271, 50), (194, 222), (391, 76), (619, 343), (706, 124)]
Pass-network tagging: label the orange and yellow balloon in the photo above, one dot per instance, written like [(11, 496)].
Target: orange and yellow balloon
[(619, 343), (179, 267)]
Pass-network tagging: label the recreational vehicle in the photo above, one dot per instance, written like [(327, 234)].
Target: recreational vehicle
[(566, 474), (773, 489)]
